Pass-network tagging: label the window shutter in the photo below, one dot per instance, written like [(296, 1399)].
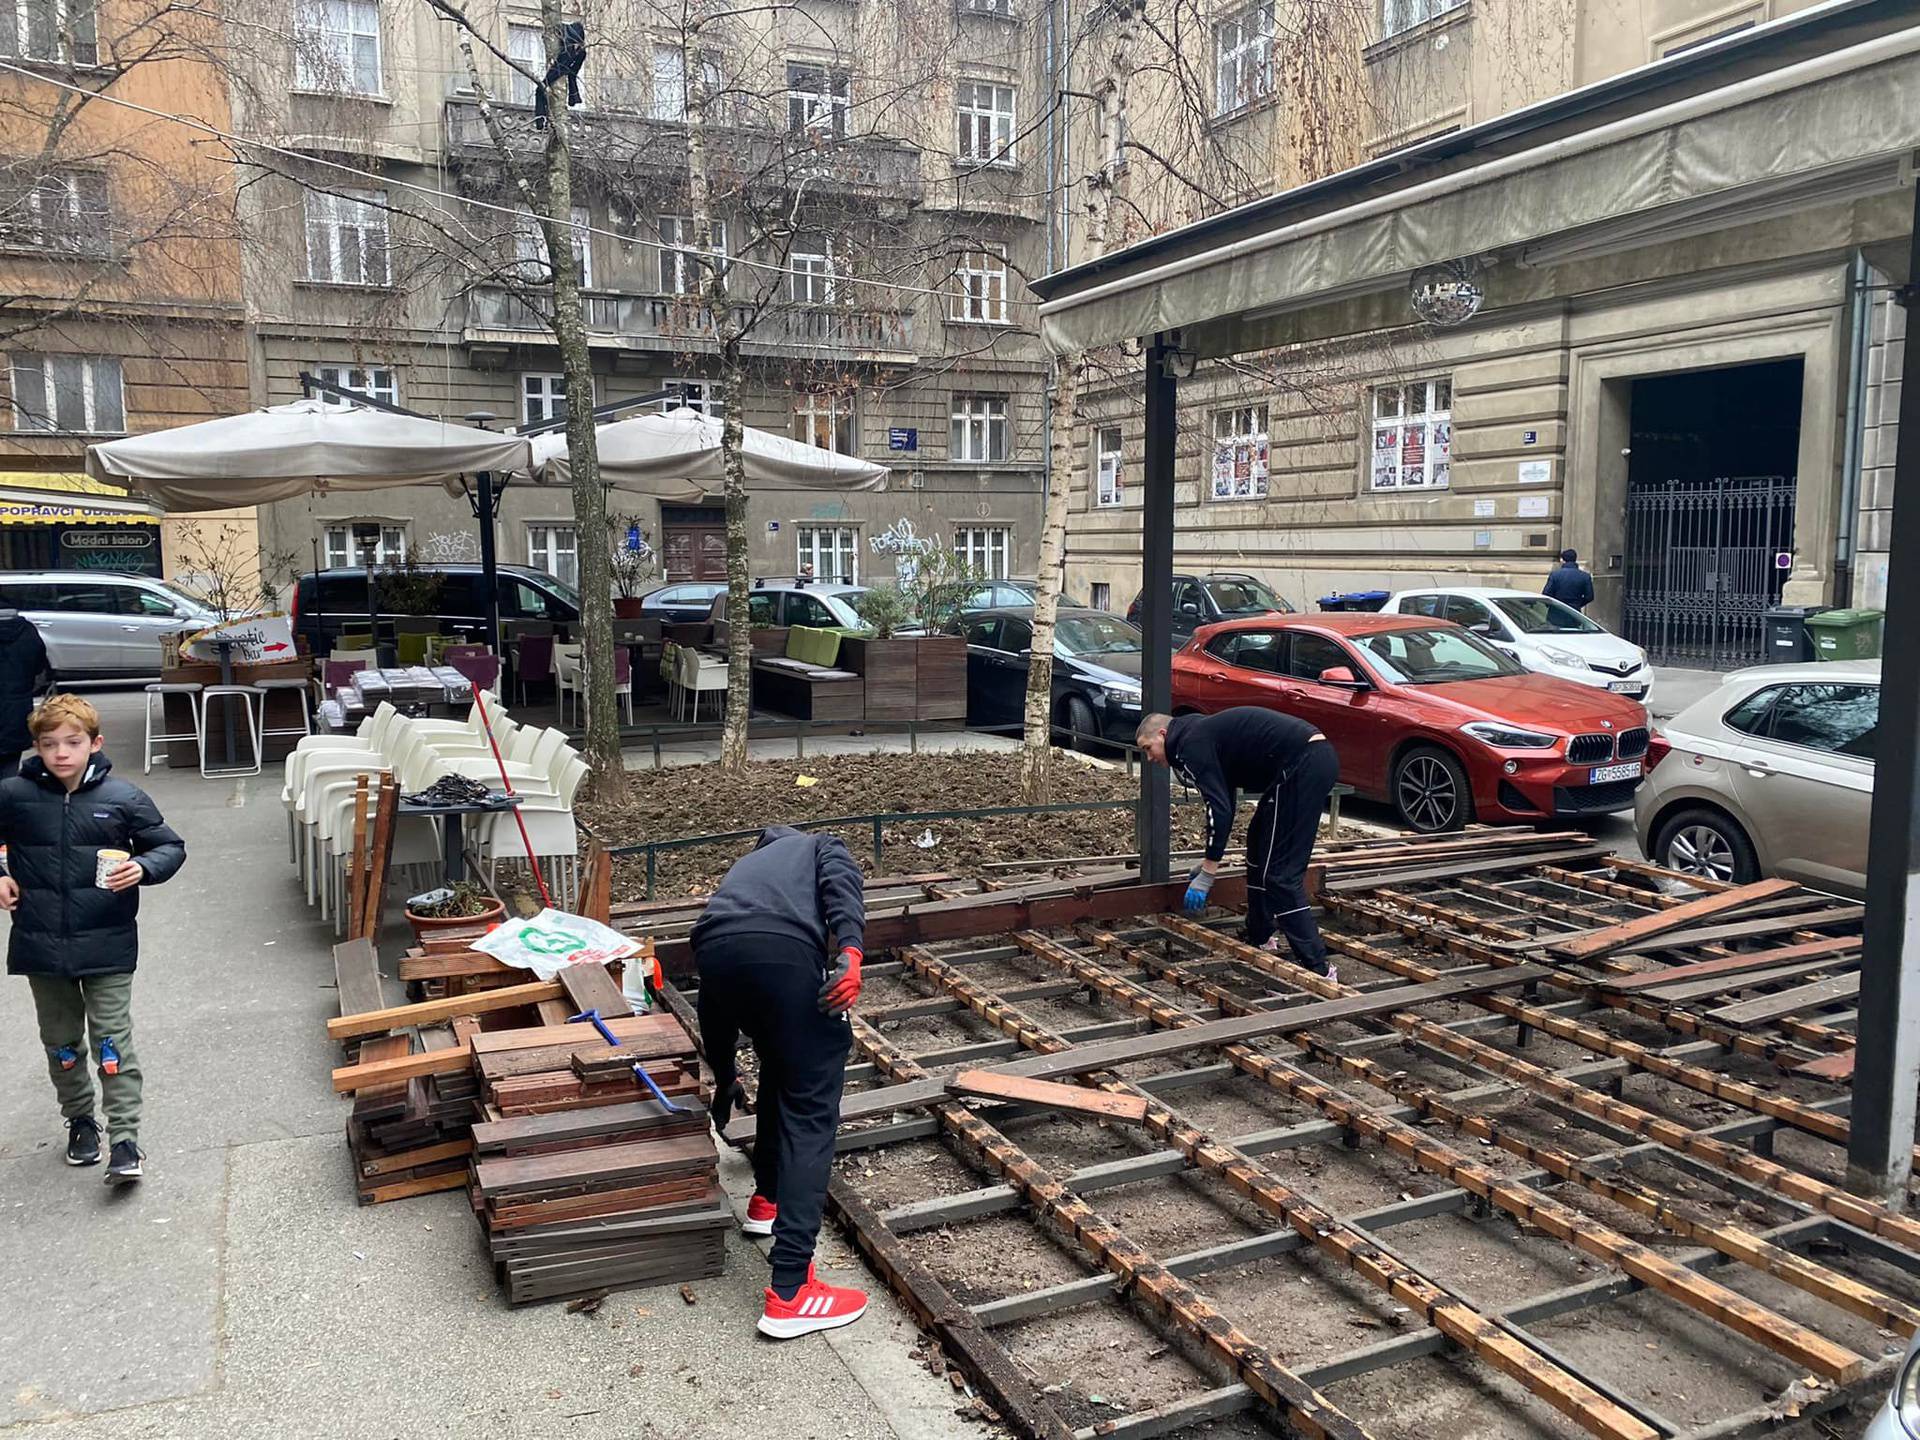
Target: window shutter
[(92, 220), (109, 398), (30, 410)]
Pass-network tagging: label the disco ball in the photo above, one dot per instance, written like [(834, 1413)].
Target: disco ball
[(1449, 294)]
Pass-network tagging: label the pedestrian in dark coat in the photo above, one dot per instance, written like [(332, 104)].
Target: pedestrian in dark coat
[(23, 660), (778, 949), (80, 842), (1292, 768), (1568, 583)]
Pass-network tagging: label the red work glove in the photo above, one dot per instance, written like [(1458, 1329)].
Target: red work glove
[(842, 985)]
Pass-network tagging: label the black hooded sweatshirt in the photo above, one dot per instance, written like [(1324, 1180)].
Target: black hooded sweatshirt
[(23, 660), (1246, 749), (65, 925), (805, 887)]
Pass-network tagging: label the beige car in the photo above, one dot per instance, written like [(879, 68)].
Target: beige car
[(1772, 774)]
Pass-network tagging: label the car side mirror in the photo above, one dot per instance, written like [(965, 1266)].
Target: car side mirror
[(1342, 677), (1190, 608), (1483, 628)]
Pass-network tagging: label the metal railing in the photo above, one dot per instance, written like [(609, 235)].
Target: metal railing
[(678, 320)]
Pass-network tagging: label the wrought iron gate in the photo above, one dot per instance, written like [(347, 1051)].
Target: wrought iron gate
[(1702, 566)]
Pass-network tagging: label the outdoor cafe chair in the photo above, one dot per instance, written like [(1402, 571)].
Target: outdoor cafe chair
[(532, 662)]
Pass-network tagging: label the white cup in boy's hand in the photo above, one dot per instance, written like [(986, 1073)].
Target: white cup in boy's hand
[(123, 876)]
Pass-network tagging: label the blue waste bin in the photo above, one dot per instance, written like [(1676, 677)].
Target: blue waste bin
[(1356, 600)]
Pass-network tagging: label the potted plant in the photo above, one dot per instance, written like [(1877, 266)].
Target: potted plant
[(633, 563), (462, 903), (408, 589)]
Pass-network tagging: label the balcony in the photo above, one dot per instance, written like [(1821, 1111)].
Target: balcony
[(678, 324), (757, 156)]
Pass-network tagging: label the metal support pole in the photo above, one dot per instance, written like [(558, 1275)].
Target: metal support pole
[(486, 511), (1887, 1068), (1153, 822)]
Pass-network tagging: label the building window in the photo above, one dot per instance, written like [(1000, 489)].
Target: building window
[(810, 273), (826, 420), (527, 48), (346, 544), (1240, 453), (551, 548), (1243, 58), (984, 548), (543, 398), (1100, 595), (377, 382), (64, 212), (818, 97), (830, 552), (336, 45), (1108, 486), (531, 263), (347, 237), (980, 288), (980, 427), (680, 270), (986, 113), (1398, 15), (701, 395), (1413, 436), (71, 394)]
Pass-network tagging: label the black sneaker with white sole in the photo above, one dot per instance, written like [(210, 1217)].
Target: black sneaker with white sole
[(123, 1163), (83, 1140)]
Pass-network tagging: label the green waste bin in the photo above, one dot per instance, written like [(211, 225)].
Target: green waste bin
[(1846, 634)]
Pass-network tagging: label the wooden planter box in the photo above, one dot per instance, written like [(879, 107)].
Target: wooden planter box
[(940, 677), (891, 668)]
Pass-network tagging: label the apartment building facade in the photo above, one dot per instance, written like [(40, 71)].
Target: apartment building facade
[(1706, 417), (877, 190), (119, 258)]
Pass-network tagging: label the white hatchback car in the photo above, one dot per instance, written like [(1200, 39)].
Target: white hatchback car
[(1542, 634)]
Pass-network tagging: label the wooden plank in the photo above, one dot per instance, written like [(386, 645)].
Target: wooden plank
[(356, 977), (1837, 1066), (591, 987), (1643, 929), (1732, 964), (371, 1074), (455, 1179), (1802, 997), (386, 813), (1694, 990), (407, 1159), (431, 1012), (357, 860), (657, 1029), (491, 1136), (1052, 1096), (1465, 865), (1082, 1058), (384, 1049), (602, 1165)]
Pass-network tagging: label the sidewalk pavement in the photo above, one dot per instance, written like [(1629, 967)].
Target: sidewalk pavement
[(239, 1290), (1675, 688)]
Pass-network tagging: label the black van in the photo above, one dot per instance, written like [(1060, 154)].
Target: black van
[(331, 603)]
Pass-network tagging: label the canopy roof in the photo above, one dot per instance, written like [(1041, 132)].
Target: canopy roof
[(1818, 108), (286, 451), (676, 456)]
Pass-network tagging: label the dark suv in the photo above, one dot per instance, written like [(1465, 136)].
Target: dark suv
[(331, 603), (1222, 595)]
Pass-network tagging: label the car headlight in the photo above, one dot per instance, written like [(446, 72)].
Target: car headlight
[(1564, 658), (1508, 737), (1906, 1395), (1123, 695)]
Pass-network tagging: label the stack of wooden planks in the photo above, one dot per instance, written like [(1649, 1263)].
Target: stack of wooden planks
[(412, 1137), (582, 1181)]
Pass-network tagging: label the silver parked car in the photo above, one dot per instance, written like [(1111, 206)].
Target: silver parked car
[(1772, 774), (101, 625)]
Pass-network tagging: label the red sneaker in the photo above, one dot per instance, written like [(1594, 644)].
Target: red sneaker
[(760, 1213), (814, 1306)]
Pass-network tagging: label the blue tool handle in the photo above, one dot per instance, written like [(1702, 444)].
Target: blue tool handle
[(658, 1094)]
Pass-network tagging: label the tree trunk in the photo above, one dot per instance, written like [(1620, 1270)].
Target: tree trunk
[(732, 391), (605, 771), (1036, 749)]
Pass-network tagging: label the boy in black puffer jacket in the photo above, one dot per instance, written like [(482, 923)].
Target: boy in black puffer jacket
[(74, 934)]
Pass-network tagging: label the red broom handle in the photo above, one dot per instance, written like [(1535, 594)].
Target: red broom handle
[(533, 864)]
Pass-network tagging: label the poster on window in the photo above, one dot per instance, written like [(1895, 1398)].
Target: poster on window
[(1386, 451), (1109, 479), (1240, 468), (1441, 473)]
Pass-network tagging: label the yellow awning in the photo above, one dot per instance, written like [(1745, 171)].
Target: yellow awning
[(35, 497)]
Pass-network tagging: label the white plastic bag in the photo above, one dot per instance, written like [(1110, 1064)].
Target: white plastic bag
[(552, 940)]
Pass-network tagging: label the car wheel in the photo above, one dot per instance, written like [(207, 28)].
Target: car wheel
[(1083, 731), (1707, 843), (1430, 790)]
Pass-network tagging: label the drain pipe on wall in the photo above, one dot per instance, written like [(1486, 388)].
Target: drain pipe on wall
[(1853, 454)]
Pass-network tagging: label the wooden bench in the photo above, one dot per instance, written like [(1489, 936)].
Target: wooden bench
[(807, 681)]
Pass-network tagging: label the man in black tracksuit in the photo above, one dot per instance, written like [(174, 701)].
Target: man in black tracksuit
[(778, 951), (1292, 768)]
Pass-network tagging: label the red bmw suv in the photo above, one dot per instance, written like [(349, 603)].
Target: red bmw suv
[(1426, 715)]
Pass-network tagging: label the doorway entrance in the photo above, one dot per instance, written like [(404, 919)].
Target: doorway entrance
[(693, 542), (1710, 498)]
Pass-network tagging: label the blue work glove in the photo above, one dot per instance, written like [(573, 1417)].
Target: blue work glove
[(1199, 885)]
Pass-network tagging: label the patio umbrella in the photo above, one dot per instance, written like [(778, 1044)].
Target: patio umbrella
[(306, 447), (676, 456)]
